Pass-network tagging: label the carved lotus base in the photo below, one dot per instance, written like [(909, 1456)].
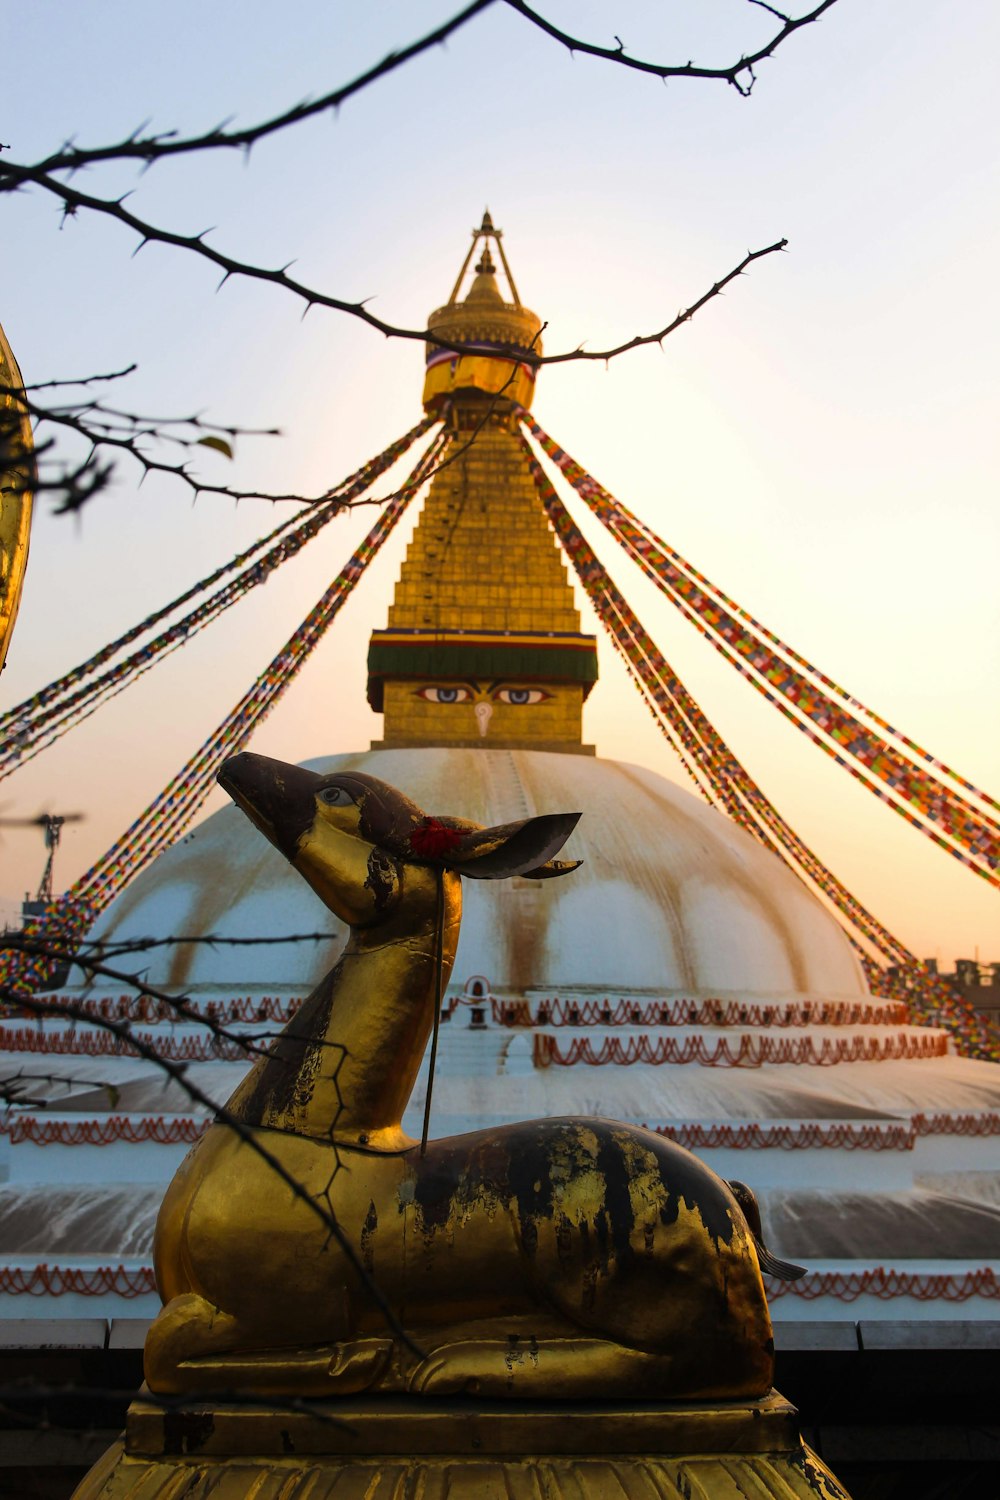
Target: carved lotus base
[(461, 1450)]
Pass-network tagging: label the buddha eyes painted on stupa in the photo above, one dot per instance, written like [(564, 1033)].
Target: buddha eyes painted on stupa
[(520, 695), (467, 692), (445, 694)]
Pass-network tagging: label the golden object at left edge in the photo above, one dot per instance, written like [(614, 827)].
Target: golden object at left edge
[(16, 474)]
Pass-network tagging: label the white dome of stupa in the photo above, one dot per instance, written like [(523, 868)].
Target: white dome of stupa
[(672, 898)]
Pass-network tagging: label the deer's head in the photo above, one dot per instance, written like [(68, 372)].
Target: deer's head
[(360, 843)]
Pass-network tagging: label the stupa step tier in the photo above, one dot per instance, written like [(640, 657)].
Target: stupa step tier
[(512, 1012), (849, 1032), (81, 1189), (23, 1133), (858, 1168)]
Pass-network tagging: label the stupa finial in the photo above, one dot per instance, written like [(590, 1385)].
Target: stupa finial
[(487, 231), (498, 340)]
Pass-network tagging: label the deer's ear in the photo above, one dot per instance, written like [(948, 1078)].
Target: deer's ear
[(514, 849), (552, 868)]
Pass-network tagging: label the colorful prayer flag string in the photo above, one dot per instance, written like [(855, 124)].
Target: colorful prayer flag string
[(702, 750), (169, 813), (35, 724), (966, 832), (930, 998)]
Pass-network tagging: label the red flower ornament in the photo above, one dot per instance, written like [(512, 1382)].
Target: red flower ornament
[(432, 839)]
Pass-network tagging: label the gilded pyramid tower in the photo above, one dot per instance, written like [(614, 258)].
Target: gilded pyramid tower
[(483, 646)]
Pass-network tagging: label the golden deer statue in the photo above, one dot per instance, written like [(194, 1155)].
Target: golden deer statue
[(308, 1247)]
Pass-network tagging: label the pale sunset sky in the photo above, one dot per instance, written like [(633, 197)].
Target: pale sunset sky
[(821, 441)]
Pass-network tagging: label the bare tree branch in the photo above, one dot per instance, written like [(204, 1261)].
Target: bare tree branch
[(682, 317), (772, 10), (12, 1087), (107, 427), (179, 1006), (147, 149), (312, 297), (102, 427), (104, 948), (740, 74), (177, 1072)]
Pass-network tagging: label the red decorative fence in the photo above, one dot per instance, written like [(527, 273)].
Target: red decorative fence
[(56, 1281), (750, 1052), (847, 1286), (75, 1043), (705, 1012), (145, 1008), (845, 1135), (104, 1130), (985, 1124), (840, 1135)]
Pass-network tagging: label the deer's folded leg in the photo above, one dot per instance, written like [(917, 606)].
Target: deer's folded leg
[(561, 1369), (194, 1347), (187, 1327)]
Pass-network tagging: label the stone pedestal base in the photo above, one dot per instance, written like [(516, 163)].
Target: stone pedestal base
[(393, 1448)]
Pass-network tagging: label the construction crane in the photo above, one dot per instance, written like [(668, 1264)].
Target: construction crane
[(51, 825)]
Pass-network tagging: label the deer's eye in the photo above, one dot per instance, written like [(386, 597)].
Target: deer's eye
[(336, 796)]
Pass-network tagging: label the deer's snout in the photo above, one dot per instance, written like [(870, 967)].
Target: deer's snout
[(278, 799)]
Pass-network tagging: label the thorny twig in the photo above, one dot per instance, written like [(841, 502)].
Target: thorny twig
[(104, 428), (178, 1072), (211, 939), (146, 149), (12, 1094), (231, 267), (96, 423), (740, 74), (179, 1005), (682, 317)]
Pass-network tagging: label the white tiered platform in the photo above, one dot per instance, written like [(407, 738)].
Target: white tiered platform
[(682, 980)]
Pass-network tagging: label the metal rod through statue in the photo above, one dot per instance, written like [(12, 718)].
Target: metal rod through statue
[(438, 974)]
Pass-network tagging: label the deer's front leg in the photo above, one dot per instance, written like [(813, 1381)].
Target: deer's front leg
[(194, 1347), (188, 1328)]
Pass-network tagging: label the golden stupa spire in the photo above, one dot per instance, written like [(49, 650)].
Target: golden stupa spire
[(483, 646)]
